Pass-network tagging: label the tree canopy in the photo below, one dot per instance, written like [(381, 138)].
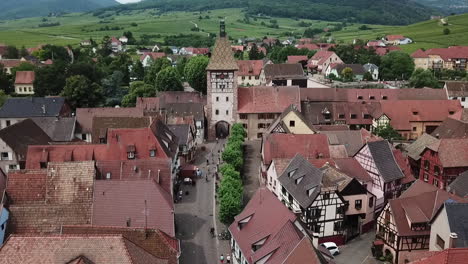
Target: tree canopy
[(138, 89), (423, 78), (195, 73), (80, 92), (396, 65), (168, 79)]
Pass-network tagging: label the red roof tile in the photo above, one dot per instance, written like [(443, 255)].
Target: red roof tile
[(271, 220), (84, 116), (72, 248), (445, 53), (452, 152), (401, 113), (447, 256), (267, 99), (25, 77), (133, 203), (304, 252), (249, 67), (353, 168), (237, 48), (297, 59), (153, 55), (309, 46), (286, 146), (394, 37), (403, 163), (419, 54)]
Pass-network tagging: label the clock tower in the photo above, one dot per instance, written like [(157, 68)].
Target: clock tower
[(222, 87)]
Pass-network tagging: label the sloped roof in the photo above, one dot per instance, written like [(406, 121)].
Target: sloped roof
[(345, 112), (445, 53), (57, 128), (185, 109), (447, 256), (102, 124), (385, 161), (304, 252), (154, 241), (457, 89), (309, 46), (419, 54), (84, 116), (415, 149), (299, 177), (250, 67), (310, 146), (279, 119), (222, 57), (418, 204), (23, 107), (284, 71), (167, 139), (181, 131), (267, 99), (297, 59), (321, 56), (451, 128), (25, 77), (353, 168), (460, 185), (401, 113), (452, 152), (457, 214), (394, 37), (22, 134), (65, 249), (358, 69), (353, 140), (153, 55), (122, 202), (271, 220), (62, 195), (334, 178)]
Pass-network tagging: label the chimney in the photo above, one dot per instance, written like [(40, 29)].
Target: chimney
[(437, 136), (453, 240), (157, 178)]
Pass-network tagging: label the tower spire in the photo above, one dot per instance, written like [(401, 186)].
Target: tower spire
[(222, 29)]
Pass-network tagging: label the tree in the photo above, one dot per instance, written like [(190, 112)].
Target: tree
[(138, 71), (49, 80), (23, 66), (129, 36), (423, 78), (446, 31), (195, 73), (387, 132), (54, 53), (23, 52), (5, 81), (168, 79), (368, 77), (230, 205), (112, 88), (255, 54), (153, 71), (3, 97), (80, 92), (11, 52), (138, 89), (180, 66), (347, 74), (396, 65), (122, 63), (106, 48), (229, 184), (233, 156)]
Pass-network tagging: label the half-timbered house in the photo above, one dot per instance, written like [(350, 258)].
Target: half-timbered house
[(320, 207), (388, 180), (403, 225)]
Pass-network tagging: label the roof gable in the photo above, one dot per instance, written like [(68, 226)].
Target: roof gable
[(385, 161)]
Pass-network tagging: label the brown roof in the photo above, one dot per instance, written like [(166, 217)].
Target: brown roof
[(62, 196), (353, 140), (457, 89), (271, 220), (284, 71), (84, 116), (75, 249), (394, 37), (152, 240), (447, 256), (350, 113), (353, 168), (418, 204), (23, 134), (133, 203), (102, 124), (10, 63), (222, 57), (25, 77), (357, 69), (297, 59), (250, 67), (451, 128), (444, 53), (415, 149), (304, 252), (452, 152), (267, 99)]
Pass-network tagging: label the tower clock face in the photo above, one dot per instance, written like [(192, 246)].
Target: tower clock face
[(222, 81)]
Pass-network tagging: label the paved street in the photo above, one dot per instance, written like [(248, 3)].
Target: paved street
[(357, 251), (194, 217)]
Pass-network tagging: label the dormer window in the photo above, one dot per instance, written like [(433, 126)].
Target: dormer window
[(298, 180), (451, 112), (341, 116), (384, 97), (291, 173), (257, 245), (244, 221), (310, 191), (359, 97), (152, 152), (169, 136), (415, 112), (372, 97), (131, 151), (353, 116)]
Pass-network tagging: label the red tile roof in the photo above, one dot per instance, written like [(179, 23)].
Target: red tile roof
[(418, 204), (403, 164), (10, 63), (419, 54), (321, 56), (353, 168), (297, 59), (198, 51), (249, 67), (26, 186), (84, 116), (452, 152), (304, 252), (394, 37), (75, 249), (237, 48), (446, 54), (133, 203), (267, 99), (25, 77), (271, 220), (401, 113), (153, 55), (154, 241), (309, 46), (286, 146), (447, 256)]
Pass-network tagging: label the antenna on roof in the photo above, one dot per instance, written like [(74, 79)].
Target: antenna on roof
[(146, 222)]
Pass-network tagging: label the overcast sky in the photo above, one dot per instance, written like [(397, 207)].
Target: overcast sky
[(128, 1)]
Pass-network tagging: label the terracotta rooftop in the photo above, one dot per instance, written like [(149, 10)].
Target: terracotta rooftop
[(453, 52), (457, 89), (25, 77), (133, 204), (267, 99), (249, 67), (102, 124), (309, 46), (451, 128), (394, 37), (452, 152), (153, 55), (447, 256), (267, 218), (352, 168), (62, 194), (84, 116), (78, 249), (297, 59), (284, 71)]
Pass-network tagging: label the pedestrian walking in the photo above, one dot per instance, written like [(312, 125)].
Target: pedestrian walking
[(228, 258), (221, 258)]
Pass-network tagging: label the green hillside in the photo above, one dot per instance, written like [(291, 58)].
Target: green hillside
[(428, 34), (32, 8)]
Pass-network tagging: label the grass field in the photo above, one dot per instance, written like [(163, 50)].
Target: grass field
[(76, 27)]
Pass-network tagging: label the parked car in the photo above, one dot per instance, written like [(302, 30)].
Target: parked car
[(332, 247)]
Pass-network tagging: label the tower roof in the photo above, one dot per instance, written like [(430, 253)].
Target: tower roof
[(222, 57)]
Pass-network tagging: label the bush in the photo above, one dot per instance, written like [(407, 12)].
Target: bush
[(446, 31)]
